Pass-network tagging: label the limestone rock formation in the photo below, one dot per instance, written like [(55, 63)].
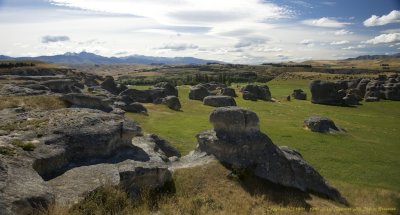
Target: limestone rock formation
[(198, 92), (219, 101), (79, 100), (133, 107), (172, 102), (169, 89), (62, 155), (228, 92), (321, 124), (110, 85), (255, 92), (299, 94), (237, 141)]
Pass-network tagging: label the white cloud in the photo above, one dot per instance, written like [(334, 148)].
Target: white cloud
[(250, 41), (308, 43), (385, 38), (325, 22), (178, 46), (186, 12), (342, 42), (392, 17), (389, 31), (342, 32), (354, 47)]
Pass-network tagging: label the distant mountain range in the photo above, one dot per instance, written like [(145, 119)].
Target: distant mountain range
[(90, 58), (375, 57)]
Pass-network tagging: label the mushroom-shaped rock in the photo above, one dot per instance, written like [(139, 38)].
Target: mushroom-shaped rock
[(237, 141), (219, 101), (172, 102), (321, 124)]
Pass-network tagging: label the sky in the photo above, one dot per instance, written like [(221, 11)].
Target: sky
[(234, 31)]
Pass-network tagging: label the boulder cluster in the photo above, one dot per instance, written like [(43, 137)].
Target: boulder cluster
[(87, 90), (213, 94), (352, 92), (236, 140)]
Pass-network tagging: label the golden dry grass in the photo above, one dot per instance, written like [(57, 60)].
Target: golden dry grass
[(32, 102), (208, 190)]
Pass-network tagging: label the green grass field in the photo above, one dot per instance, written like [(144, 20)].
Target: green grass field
[(368, 155)]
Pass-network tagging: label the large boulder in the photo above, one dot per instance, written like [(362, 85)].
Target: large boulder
[(169, 89), (375, 88), (321, 124), (172, 102), (253, 92), (219, 101), (227, 91), (62, 155), (110, 85), (361, 87), (392, 91), (237, 141), (299, 94), (325, 92), (198, 92), (78, 100)]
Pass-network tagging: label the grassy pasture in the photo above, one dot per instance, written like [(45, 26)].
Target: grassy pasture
[(368, 155)]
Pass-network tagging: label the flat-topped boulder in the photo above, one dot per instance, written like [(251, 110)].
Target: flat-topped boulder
[(236, 140), (219, 101)]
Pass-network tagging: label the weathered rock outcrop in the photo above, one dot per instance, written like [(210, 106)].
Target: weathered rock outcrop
[(62, 155), (299, 94), (155, 95), (255, 92), (324, 92), (62, 86), (172, 102), (133, 107), (228, 92), (169, 89), (219, 101), (110, 85), (198, 92), (237, 141), (321, 124), (78, 100)]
